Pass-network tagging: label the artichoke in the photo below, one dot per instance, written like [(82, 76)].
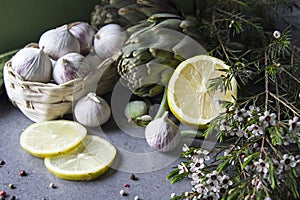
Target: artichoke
[(159, 40), (154, 49), (128, 12)]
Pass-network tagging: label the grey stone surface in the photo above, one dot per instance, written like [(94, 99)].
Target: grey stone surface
[(151, 184)]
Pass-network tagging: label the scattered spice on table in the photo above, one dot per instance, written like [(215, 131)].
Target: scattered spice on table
[(2, 193), (11, 186), (123, 193), (52, 185), (2, 162), (12, 198), (133, 177), (22, 173)]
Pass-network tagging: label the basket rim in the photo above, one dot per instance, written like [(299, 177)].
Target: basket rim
[(9, 68)]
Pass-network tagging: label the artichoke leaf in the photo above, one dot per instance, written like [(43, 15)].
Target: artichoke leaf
[(173, 24), (132, 13), (159, 17), (121, 3), (164, 5)]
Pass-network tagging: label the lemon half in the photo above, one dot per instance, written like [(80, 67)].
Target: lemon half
[(51, 138), (89, 160), (189, 96)]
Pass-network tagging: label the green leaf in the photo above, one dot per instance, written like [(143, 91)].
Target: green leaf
[(272, 176), (249, 159), (223, 165), (172, 174)]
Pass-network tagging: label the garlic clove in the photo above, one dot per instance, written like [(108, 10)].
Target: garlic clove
[(109, 40), (32, 64), (84, 33), (92, 110), (58, 42), (69, 67), (162, 134)]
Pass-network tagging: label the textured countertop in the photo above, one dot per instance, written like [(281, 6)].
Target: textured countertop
[(134, 156)]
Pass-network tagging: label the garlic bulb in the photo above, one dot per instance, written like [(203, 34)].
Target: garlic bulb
[(58, 42), (109, 40), (32, 64), (92, 110), (93, 60), (85, 34), (162, 134), (69, 67)]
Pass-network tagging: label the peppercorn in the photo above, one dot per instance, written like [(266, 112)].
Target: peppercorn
[(2, 193), (2, 162), (127, 185), (22, 173), (123, 193), (52, 185), (11, 186), (133, 177), (12, 198)]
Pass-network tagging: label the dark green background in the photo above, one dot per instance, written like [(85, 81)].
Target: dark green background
[(23, 21)]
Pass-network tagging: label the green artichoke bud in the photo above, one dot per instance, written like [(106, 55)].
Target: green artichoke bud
[(128, 12), (135, 109), (154, 49)]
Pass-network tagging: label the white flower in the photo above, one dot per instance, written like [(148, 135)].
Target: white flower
[(224, 126), (196, 178), (239, 114), (255, 129), (253, 110), (185, 148), (294, 124), (262, 166), (173, 195), (287, 140), (225, 181), (201, 156), (276, 34), (201, 189), (268, 198), (196, 166), (268, 119), (227, 153), (186, 194), (183, 168), (212, 196), (278, 167), (288, 161), (212, 180), (238, 132)]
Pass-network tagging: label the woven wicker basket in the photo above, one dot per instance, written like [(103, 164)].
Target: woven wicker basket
[(46, 101)]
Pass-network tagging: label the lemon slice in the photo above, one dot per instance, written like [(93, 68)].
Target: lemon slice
[(189, 96), (88, 161), (51, 138)]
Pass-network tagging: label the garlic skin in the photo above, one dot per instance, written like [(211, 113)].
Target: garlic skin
[(84, 33), (69, 67), (162, 134), (58, 42), (92, 110), (32, 64), (109, 40)]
